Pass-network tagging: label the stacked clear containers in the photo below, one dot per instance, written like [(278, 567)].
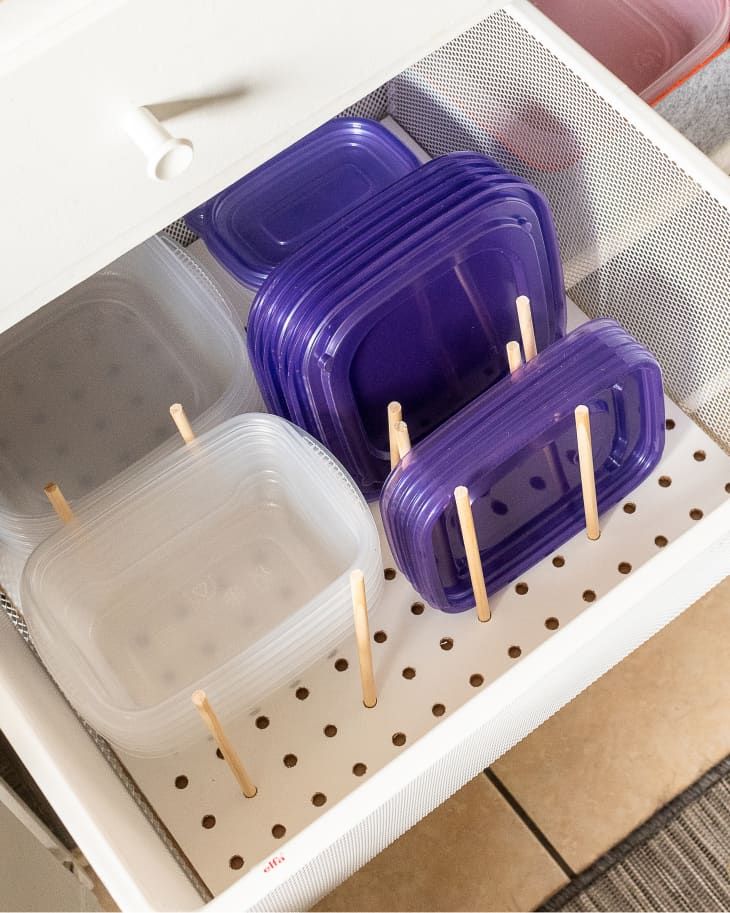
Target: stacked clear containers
[(88, 382), (223, 566)]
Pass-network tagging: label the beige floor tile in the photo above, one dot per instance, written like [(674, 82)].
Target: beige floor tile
[(472, 853), (636, 738)]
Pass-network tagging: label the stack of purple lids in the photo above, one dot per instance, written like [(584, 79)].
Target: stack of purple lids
[(255, 224), (514, 447), (408, 297)]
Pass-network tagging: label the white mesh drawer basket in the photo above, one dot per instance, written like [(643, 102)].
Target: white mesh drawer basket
[(644, 225)]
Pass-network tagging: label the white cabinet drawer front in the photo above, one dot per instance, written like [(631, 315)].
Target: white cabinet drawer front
[(240, 80)]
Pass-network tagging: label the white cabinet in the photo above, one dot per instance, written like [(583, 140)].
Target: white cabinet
[(239, 80)]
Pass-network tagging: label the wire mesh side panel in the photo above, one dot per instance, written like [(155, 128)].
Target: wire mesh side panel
[(180, 232), (641, 241)]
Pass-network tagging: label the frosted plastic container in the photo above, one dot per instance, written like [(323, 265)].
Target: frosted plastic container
[(89, 379), (649, 44), (222, 566)]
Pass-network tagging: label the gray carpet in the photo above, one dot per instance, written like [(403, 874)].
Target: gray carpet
[(678, 860)]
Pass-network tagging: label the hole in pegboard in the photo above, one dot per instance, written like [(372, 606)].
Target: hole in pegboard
[(359, 769), (417, 608), (290, 760), (661, 541), (446, 643), (476, 680), (341, 664), (236, 862), (330, 730), (522, 588), (629, 507), (665, 481), (669, 424), (278, 831), (409, 672), (319, 799), (262, 722), (399, 739), (514, 652), (558, 561), (208, 821), (589, 595), (438, 710), (624, 567), (389, 573), (181, 782), (727, 488), (552, 623), (699, 455), (301, 694), (380, 637), (696, 513)]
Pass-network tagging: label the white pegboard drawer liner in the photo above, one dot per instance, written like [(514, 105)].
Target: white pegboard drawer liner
[(493, 732)]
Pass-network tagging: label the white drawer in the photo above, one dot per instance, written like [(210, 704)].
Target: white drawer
[(644, 224), (239, 80)]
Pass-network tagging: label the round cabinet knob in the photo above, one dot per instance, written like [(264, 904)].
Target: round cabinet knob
[(167, 156)]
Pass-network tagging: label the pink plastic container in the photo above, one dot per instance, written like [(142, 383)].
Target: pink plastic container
[(648, 44)]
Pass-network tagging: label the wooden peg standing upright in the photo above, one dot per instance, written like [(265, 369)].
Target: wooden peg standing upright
[(404, 439), (587, 474), (181, 421), (527, 330), (514, 356), (362, 635), (59, 502), (473, 558), (395, 415), (200, 700)]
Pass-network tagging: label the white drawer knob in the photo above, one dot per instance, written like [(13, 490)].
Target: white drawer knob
[(167, 156)]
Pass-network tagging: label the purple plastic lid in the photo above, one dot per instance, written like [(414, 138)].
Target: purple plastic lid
[(335, 390), (256, 223), (514, 447)]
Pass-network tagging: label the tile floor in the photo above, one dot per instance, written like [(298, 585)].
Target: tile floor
[(582, 781)]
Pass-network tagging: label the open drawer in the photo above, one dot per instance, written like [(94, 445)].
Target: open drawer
[(644, 224)]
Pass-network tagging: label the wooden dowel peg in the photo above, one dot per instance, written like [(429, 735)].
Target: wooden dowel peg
[(473, 559), (200, 700), (514, 356), (395, 415), (362, 635), (527, 330), (58, 502), (587, 474), (404, 439), (181, 421)]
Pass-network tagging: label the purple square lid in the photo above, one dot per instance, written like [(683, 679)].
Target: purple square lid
[(256, 223)]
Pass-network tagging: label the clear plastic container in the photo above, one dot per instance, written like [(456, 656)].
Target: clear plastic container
[(222, 566), (649, 44), (89, 379)]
